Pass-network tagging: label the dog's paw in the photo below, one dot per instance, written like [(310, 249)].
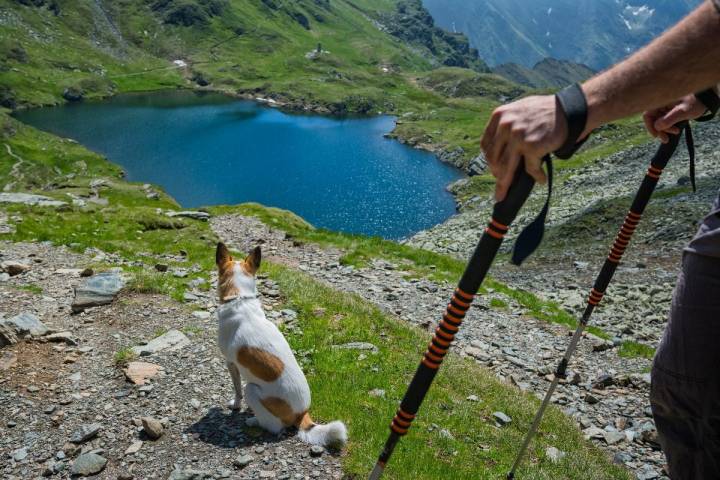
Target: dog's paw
[(235, 404), (252, 422)]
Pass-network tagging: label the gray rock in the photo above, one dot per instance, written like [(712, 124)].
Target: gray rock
[(603, 381), (97, 290), (88, 464), (189, 474), (168, 342), (243, 461), (501, 418), (153, 428), (7, 335), (195, 215), (316, 451), (85, 433), (26, 324), (377, 392), (621, 458), (611, 438), (358, 346), (14, 268), (65, 337), (201, 314), (29, 199), (554, 455), (20, 454)]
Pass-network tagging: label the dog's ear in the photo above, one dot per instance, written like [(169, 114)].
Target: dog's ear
[(222, 255), (253, 260)]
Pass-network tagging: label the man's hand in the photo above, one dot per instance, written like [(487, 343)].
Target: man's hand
[(526, 129), (661, 121)]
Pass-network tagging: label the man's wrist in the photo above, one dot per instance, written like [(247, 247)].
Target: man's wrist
[(595, 107)]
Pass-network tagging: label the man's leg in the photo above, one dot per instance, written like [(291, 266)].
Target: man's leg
[(685, 393)]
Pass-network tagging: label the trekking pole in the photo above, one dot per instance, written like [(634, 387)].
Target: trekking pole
[(642, 197), (504, 214)]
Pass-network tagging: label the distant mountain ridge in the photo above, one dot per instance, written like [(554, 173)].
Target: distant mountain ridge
[(596, 33), (548, 73)]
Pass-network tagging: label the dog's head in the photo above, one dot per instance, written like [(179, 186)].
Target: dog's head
[(237, 278)]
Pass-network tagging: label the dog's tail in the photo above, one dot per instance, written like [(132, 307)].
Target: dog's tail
[(332, 435)]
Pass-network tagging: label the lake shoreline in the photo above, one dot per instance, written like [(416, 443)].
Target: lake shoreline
[(392, 192)]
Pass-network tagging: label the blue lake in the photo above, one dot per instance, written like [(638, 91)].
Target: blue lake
[(337, 173)]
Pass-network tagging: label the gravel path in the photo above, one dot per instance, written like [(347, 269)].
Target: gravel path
[(51, 391)]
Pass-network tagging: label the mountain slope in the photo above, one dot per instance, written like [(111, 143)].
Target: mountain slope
[(549, 73), (593, 32)]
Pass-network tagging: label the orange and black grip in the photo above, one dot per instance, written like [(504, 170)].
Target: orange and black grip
[(631, 222), (504, 214)]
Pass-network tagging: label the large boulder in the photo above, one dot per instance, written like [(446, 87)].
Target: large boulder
[(97, 290)]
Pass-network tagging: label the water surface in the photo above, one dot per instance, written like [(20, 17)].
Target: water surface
[(337, 173)]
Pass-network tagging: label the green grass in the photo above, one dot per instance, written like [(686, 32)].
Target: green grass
[(498, 303), (32, 288), (477, 449), (636, 350), (124, 356), (192, 330)]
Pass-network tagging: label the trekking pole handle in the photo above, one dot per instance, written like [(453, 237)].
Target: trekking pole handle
[(504, 213)]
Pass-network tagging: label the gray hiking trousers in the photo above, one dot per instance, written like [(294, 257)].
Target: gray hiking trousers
[(685, 392)]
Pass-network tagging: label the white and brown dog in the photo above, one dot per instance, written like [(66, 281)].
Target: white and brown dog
[(276, 389)]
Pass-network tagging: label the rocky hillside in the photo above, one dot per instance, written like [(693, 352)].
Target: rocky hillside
[(597, 33), (413, 23), (548, 73)]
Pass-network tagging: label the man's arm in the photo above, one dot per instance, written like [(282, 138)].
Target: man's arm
[(684, 60)]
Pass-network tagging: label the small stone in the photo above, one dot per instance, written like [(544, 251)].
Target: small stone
[(591, 399), (97, 290), (161, 267), (242, 461), (501, 418), (168, 342), (87, 272), (201, 314), (554, 455), (134, 447), (64, 337), (377, 392), (259, 450), (153, 428), (358, 346), (85, 433), (20, 454), (621, 458), (611, 438), (88, 464), (603, 381), (125, 476), (26, 324), (140, 372), (316, 451), (472, 398), (195, 403), (13, 268)]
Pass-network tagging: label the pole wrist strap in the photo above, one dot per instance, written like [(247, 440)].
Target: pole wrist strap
[(711, 100), (572, 102)]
